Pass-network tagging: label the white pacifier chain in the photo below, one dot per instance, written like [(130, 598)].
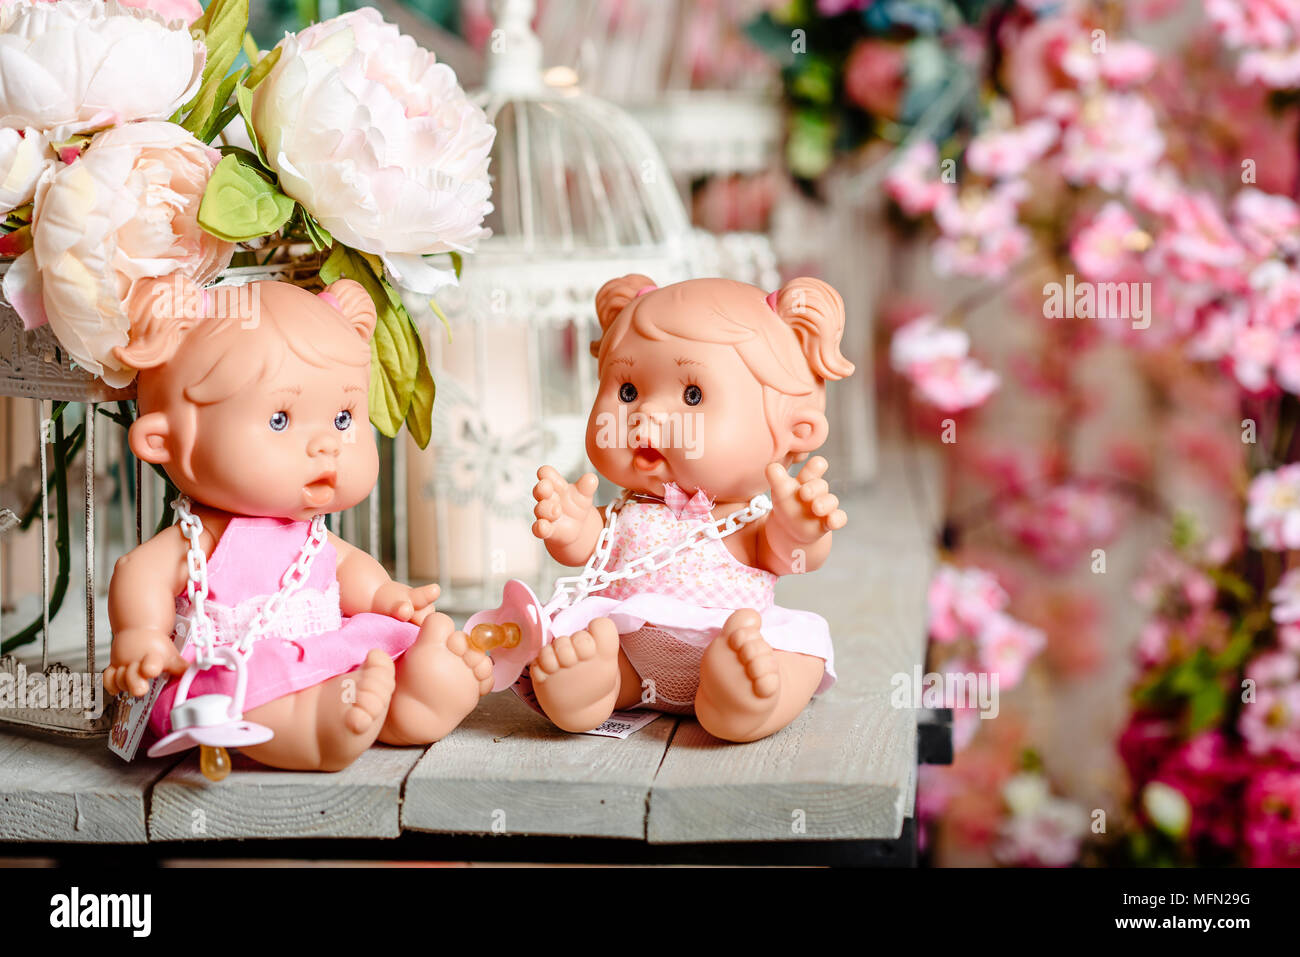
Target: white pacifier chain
[(520, 626), (215, 722), (595, 577)]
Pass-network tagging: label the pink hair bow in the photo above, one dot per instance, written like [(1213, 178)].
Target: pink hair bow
[(696, 507)]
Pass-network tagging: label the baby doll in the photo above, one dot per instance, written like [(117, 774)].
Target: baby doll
[(260, 418), (722, 388)]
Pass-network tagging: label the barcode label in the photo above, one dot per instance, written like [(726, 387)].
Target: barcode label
[(622, 724)]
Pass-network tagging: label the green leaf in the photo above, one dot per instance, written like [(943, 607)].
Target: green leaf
[(437, 311), (318, 234), (419, 419), (244, 100), (457, 263), (395, 349), (223, 115), (221, 28), (263, 67), (239, 204), (1207, 707)]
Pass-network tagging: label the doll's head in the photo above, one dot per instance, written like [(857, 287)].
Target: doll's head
[(705, 382), (254, 398)]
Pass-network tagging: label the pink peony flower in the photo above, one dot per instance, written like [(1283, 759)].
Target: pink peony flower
[(875, 76), (1273, 508), (125, 210)]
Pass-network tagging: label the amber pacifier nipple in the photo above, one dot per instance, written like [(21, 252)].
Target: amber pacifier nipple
[(487, 636), (214, 762)]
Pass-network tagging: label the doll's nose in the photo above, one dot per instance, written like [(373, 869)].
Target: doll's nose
[(646, 427), (323, 444)]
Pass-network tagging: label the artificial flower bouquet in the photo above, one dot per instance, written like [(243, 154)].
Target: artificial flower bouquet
[(136, 142)]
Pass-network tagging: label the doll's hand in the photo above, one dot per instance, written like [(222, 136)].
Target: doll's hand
[(802, 505), (564, 509), (404, 602), (139, 655)]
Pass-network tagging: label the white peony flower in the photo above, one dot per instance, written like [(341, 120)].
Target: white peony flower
[(23, 158), (77, 65), (125, 210), (378, 142)]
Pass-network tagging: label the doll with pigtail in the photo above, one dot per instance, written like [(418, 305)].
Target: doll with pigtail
[(258, 414), (710, 390)]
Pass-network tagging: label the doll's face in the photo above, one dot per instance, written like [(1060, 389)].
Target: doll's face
[(293, 443), (298, 444), (671, 410)]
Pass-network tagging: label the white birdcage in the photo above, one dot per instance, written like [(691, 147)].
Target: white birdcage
[(581, 196)]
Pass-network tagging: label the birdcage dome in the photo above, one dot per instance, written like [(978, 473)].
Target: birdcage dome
[(581, 194)]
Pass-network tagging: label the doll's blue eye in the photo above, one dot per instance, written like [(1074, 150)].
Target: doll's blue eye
[(279, 421), (627, 392), (692, 395), (343, 421)]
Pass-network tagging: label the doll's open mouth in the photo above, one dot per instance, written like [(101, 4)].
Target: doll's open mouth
[(647, 460), (320, 491)]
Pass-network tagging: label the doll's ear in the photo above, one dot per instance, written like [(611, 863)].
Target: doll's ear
[(161, 311), (350, 298), (808, 430), (613, 297), (815, 312), (148, 438)]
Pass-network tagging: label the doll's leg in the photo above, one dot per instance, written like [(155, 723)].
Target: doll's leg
[(325, 727), (747, 690), (580, 679), (439, 681)]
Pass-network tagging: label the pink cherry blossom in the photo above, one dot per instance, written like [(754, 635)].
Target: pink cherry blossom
[(1064, 523), (1006, 646), (935, 360), (1108, 246), (1114, 139), (1273, 508), (1271, 723), (1271, 829), (914, 181), (1266, 223), (961, 601), (1006, 154)]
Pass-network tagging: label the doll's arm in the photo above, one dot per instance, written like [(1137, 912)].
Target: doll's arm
[(364, 586), (567, 520), (142, 612), (796, 535)]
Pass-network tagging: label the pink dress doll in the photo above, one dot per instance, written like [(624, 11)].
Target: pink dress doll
[(260, 419), (709, 391)]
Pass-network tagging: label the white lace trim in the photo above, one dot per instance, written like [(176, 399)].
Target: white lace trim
[(304, 614)]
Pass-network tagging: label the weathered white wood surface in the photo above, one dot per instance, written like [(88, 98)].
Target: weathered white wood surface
[(509, 770), (256, 801), (847, 764), (845, 769), (64, 789)]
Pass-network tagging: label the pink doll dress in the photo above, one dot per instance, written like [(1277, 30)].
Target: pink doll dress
[(310, 640), (666, 618)]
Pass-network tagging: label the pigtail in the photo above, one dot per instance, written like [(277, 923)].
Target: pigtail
[(612, 299), (815, 312), (161, 311), (351, 299)]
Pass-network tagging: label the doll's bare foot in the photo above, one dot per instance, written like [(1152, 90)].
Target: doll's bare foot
[(576, 677), (327, 726), (747, 690), (370, 692), (439, 681)]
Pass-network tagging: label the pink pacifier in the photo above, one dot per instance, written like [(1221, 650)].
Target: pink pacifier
[(512, 633), (212, 722)]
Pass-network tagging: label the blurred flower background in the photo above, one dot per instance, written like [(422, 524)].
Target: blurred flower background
[(1082, 228)]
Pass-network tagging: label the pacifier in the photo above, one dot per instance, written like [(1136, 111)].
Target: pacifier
[(212, 722), (512, 633)]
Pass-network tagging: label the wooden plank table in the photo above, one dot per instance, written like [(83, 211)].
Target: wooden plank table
[(843, 771)]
